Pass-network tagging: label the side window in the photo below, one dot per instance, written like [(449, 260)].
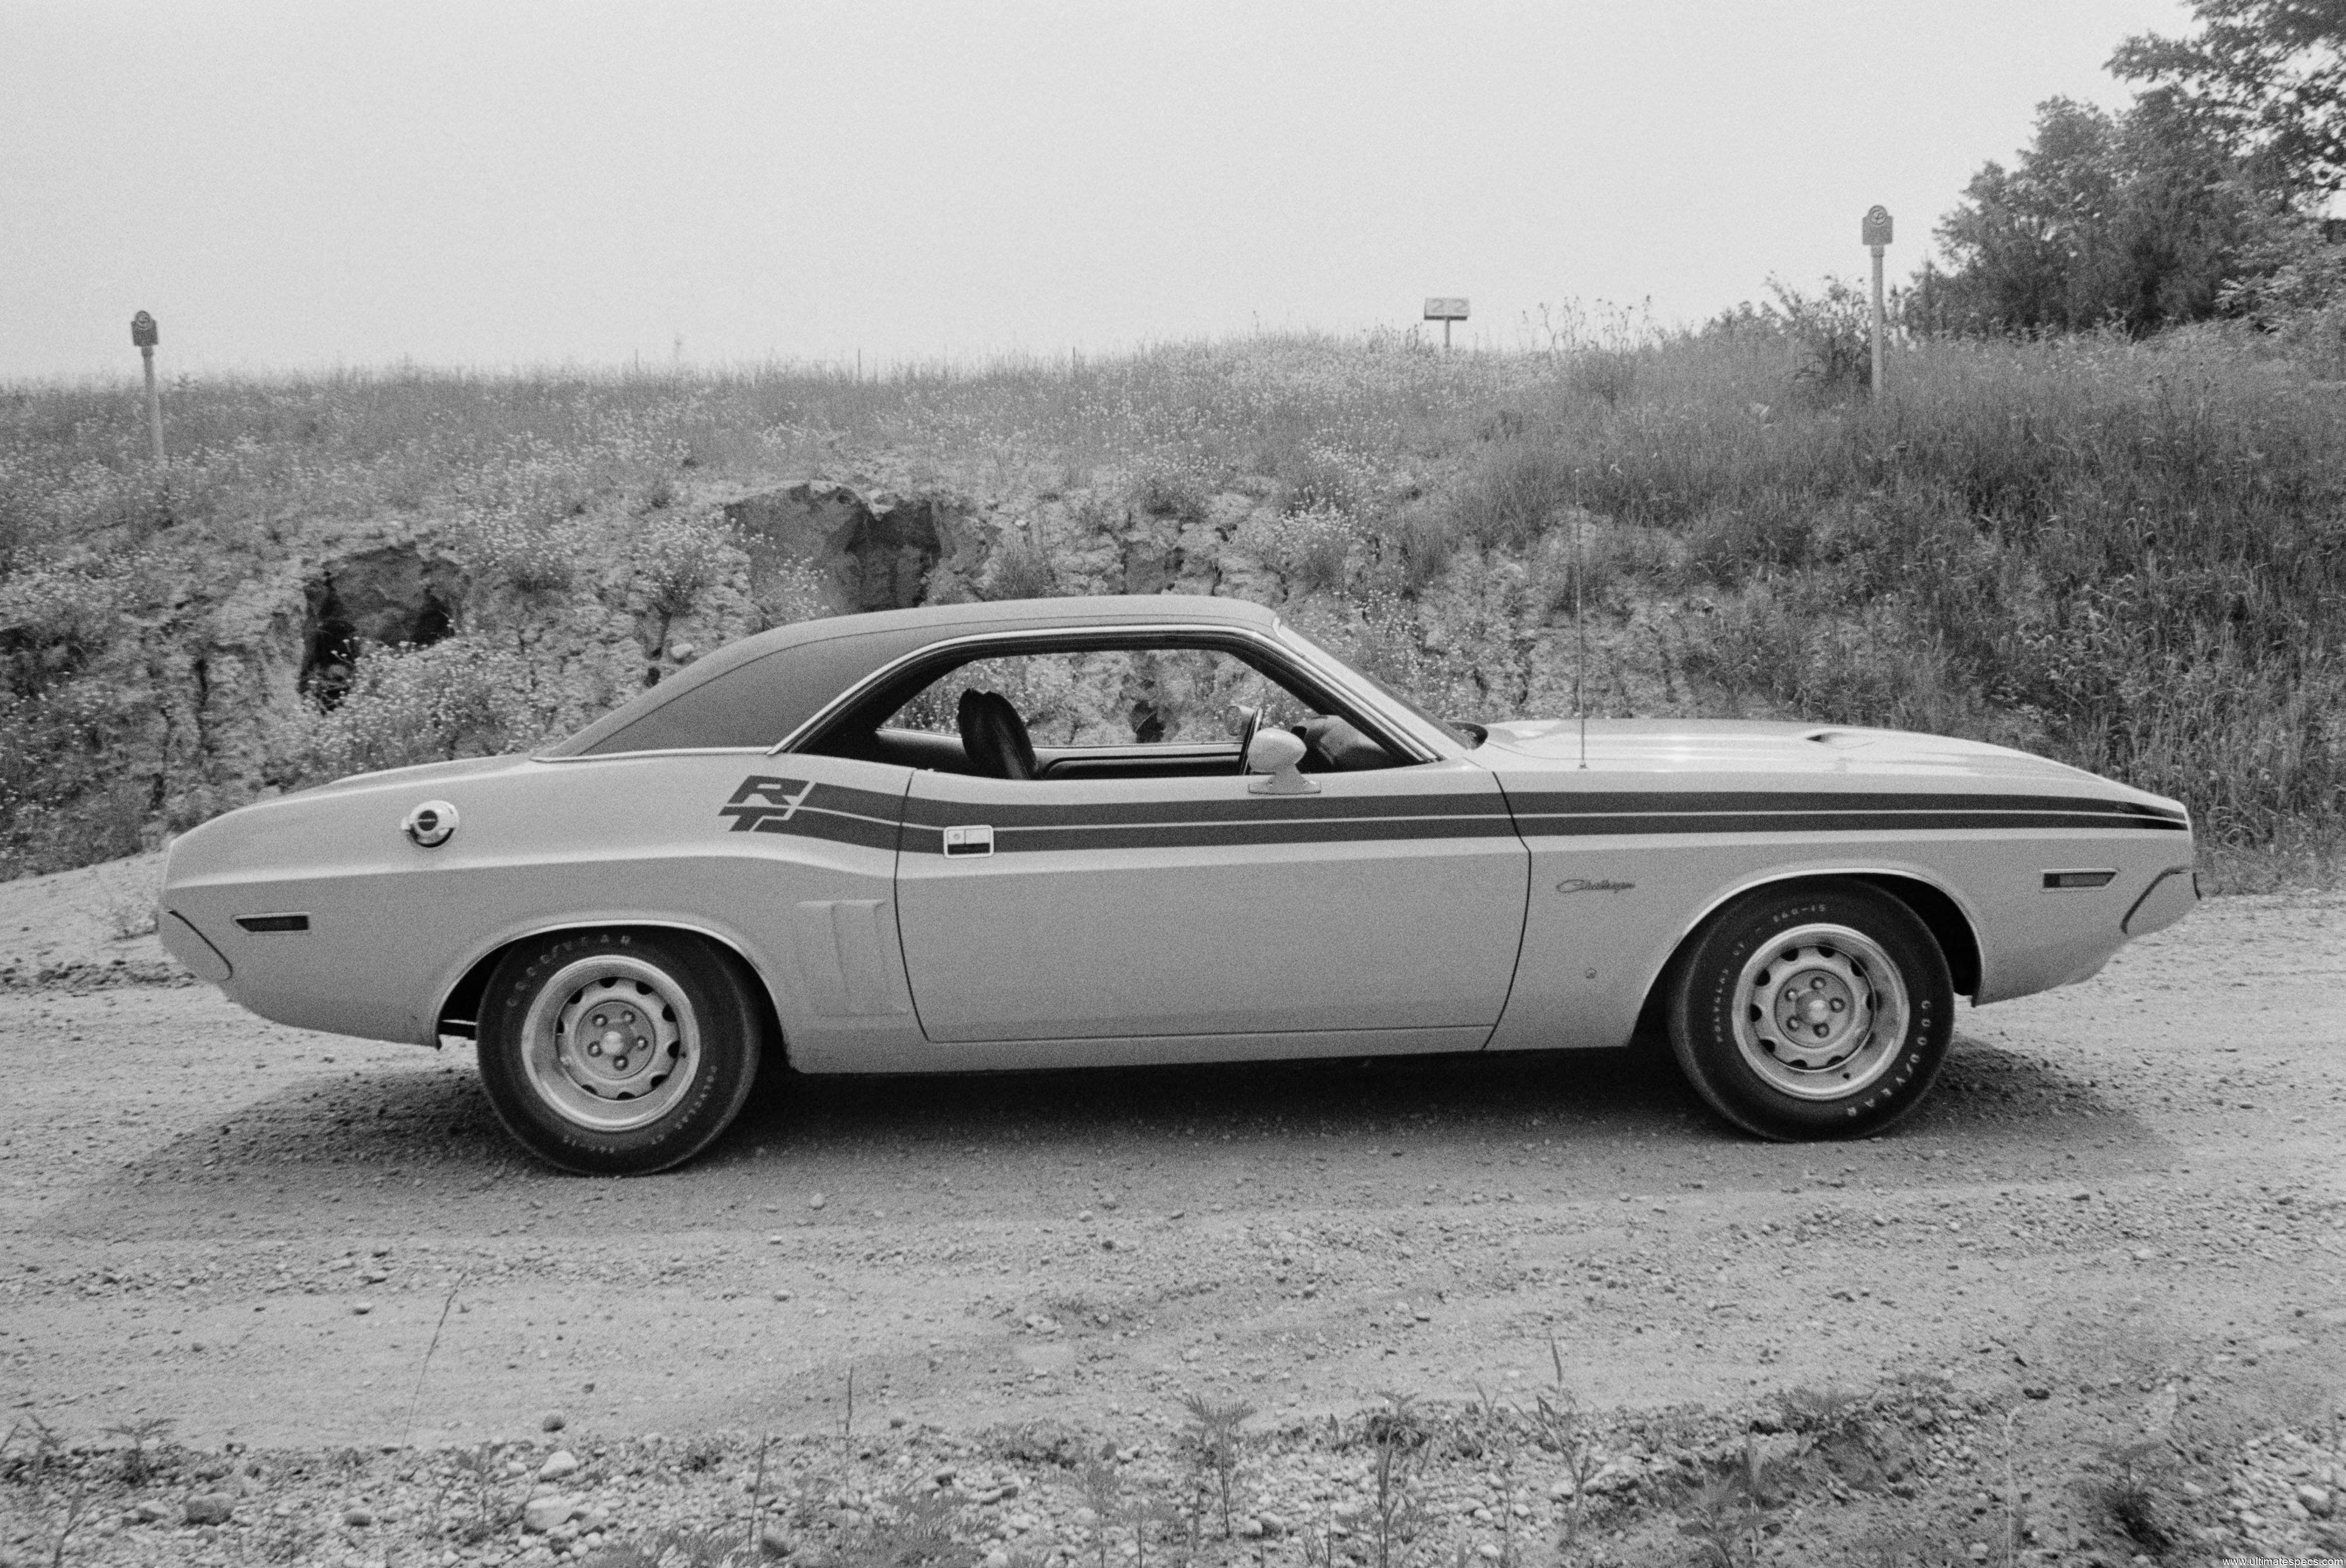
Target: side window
[(1112, 696)]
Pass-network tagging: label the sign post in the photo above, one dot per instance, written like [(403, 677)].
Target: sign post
[(144, 336), (1445, 310), (1877, 239)]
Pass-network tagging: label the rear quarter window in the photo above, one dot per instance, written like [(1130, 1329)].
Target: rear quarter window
[(752, 705)]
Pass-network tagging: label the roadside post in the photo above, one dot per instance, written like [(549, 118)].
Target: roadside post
[(1445, 310), (144, 337), (1877, 240)]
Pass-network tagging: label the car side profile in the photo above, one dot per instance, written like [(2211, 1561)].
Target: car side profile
[(1066, 832)]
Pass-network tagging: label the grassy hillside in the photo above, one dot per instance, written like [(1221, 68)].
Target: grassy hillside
[(2130, 557)]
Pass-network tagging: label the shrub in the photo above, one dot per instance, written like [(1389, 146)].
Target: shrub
[(534, 558), (1516, 492), (461, 697), (1020, 570), (675, 559), (1165, 491), (1313, 548)]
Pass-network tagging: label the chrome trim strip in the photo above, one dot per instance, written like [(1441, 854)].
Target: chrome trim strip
[(473, 960), (1775, 874), (2126, 926), (1276, 652), (659, 751)]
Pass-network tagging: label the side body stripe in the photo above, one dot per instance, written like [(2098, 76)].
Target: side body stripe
[(878, 820)]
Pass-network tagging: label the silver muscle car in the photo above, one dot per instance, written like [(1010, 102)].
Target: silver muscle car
[(1031, 834)]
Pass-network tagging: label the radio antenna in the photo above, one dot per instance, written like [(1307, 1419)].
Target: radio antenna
[(1580, 627)]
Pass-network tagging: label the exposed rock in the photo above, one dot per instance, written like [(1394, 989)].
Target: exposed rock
[(559, 1463), (879, 553), (385, 595), (210, 1508), (540, 1514)]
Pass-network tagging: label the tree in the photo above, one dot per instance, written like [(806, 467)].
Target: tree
[(2267, 78), (2134, 220)]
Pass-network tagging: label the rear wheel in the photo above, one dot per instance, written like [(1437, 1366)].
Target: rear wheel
[(1820, 1010), (619, 1052)]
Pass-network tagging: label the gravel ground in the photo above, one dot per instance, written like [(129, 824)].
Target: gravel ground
[(2122, 1219)]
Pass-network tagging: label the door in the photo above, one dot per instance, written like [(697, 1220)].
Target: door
[(1109, 907)]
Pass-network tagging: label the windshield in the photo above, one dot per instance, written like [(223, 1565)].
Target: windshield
[(1321, 656)]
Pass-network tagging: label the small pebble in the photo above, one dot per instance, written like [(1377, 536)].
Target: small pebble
[(817, 1201), (553, 1421), (360, 1308)]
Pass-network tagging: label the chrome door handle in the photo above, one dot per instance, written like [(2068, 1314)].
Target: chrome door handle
[(975, 840)]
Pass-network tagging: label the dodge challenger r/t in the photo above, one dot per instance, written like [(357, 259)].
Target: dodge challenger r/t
[(1054, 833)]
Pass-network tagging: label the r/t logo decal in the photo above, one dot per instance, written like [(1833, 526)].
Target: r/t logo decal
[(780, 803)]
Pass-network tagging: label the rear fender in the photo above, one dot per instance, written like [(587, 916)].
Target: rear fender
[(458, 1009)]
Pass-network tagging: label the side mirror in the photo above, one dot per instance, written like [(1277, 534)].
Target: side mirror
[(1275, 754)]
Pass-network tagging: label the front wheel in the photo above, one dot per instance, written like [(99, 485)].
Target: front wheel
[(619, 1052), (1816, 1011)]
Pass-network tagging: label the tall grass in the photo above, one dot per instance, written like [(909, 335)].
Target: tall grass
[(2129, 555), (2134, 557)]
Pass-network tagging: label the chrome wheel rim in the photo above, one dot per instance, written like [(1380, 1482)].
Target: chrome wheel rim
[(610, 1044), (1820, 1011)]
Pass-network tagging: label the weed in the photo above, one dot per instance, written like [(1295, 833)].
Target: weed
[(491, 1509), (1399, 1437), (536, 558), (1021, 570), (1215, 1442), (1100, 1486), (677, 560), (466, 695), (2127, 1490), (1826, 1412), (2014, 1500), (423, 1369), (1833, 327), (31, 1447), (143, 1441), (1559, 1427), (1313, 547), (73, 1512), (1162, 492), (1726, 1524), (1038, 1442), (757, 1488)]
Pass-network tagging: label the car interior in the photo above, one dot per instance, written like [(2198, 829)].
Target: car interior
[(1089, 710)]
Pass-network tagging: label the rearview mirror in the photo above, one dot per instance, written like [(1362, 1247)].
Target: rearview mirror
[(1275, 753)]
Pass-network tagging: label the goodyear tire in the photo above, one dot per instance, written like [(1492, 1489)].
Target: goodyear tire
[(1819, 1011), (619, 1052)]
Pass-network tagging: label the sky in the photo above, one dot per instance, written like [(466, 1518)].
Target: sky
[(497, 184)]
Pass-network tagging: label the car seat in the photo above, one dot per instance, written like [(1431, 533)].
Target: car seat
[(993, 737)]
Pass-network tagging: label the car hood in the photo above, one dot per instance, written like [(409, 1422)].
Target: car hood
[(1761, 751)]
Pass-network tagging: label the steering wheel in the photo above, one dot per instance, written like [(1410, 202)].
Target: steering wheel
[(1249, 720)]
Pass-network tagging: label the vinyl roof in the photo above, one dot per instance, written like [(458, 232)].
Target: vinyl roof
[(813, 661)]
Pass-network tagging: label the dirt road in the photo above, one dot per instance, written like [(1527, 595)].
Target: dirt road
[(260, 1233)]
